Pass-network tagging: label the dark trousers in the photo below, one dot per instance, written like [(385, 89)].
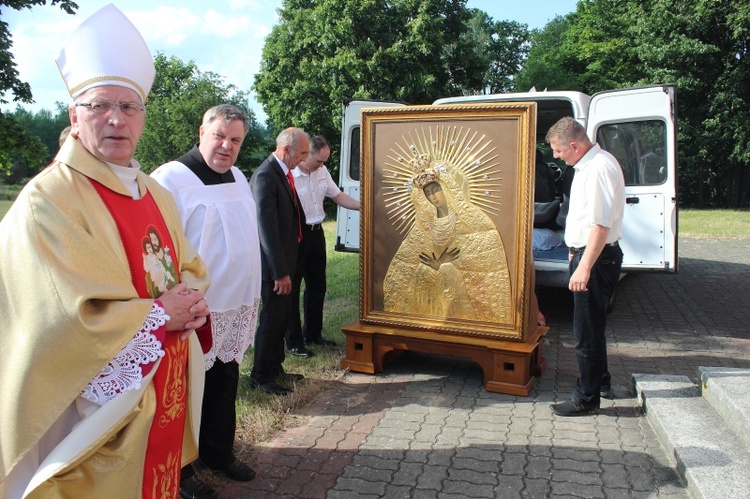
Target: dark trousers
[(589, 321), (269, 338), (312, 269), (219, 418)]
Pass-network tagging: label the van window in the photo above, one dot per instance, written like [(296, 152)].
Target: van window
[(639, 148), (354, 154)]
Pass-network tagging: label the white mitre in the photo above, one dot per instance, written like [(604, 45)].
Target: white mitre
[(106, 49)]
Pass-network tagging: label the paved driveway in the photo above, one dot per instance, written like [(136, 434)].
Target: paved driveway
[(427, 428)]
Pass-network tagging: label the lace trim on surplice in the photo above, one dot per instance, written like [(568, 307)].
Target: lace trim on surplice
[(233, 332), (124, 372)]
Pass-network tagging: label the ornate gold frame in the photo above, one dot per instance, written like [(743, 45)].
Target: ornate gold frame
[(495, 142)]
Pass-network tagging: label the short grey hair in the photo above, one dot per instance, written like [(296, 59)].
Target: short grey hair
[(567, 130), (289, 137), (228, 113)]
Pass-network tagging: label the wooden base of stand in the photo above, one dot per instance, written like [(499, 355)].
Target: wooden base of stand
[(509, 366)]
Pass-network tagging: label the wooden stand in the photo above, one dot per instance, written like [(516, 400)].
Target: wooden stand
[(509, 366)]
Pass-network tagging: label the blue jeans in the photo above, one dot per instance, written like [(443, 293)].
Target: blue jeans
[(589, 321)]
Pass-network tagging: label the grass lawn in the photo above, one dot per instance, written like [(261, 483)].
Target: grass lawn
[(4, 207), (714, 223)]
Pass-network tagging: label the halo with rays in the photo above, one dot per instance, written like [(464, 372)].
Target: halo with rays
[(470, 156)]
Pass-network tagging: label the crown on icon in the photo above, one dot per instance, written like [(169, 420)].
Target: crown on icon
[(420, 165)]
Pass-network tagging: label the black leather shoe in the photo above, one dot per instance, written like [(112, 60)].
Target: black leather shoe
[(321, 342), (237, 470), (301, 352), (272, 388), (571, 408), (289, 377), (193, 488)]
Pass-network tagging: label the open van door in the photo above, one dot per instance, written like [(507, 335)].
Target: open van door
[(347, 221), (637, 126)]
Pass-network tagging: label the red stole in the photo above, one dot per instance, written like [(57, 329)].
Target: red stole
[(154, 269)]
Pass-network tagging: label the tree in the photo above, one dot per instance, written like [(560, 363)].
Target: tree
[(501, 46), (553, 61), (36, 136), (700, 45), (45, 125), (9, 80), (179, 97), (18, 147), (22, 154), (324, 51)]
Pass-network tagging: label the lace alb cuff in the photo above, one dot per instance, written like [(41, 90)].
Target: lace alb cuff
[(124, 371)]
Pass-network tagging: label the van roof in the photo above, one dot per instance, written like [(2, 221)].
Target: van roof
[(578, 101), (551, 105)]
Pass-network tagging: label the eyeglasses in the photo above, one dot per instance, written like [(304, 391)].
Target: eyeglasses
[(107, 106)]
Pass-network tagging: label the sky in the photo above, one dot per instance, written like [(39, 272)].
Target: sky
[(222, 36)]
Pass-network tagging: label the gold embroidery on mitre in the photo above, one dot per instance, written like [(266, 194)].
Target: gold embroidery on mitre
[(77, 88), (175, 390)]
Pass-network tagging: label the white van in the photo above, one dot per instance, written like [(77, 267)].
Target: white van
[(637, 125)]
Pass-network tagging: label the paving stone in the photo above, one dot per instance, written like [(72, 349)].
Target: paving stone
[(432, 477), (468, 489), (427, 428), (536, 487)]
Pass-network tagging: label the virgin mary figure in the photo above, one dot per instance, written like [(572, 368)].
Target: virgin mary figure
[(452, 263)]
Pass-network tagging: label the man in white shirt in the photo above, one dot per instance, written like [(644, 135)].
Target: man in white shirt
[(592, 231), (219, 217), (314, 184)]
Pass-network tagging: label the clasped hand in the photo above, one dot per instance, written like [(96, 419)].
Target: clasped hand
[(447, 256), (186, 307)]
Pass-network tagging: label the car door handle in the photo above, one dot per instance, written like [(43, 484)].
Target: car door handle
[(633, 200)]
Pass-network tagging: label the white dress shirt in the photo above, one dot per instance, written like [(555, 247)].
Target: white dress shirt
[(597, 197), (312, 189)]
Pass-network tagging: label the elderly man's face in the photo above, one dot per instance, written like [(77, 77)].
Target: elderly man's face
[(298, 153), (112, 135)]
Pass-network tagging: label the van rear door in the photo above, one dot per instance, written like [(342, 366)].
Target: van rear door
[(638, 126), (347, 221)]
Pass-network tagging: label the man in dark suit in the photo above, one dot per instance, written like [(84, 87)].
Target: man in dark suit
[(280, 220)]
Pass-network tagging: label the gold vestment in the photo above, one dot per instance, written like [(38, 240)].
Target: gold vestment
[(69, 306)]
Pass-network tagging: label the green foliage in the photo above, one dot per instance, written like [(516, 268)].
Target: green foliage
[(29, 142), (500, 48), (181, 93), (324, 51), (9, 80), (700, 45), (45, 125), (21, 152), (553, 61)]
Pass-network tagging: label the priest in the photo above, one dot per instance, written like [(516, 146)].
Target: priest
[(101, 294)]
